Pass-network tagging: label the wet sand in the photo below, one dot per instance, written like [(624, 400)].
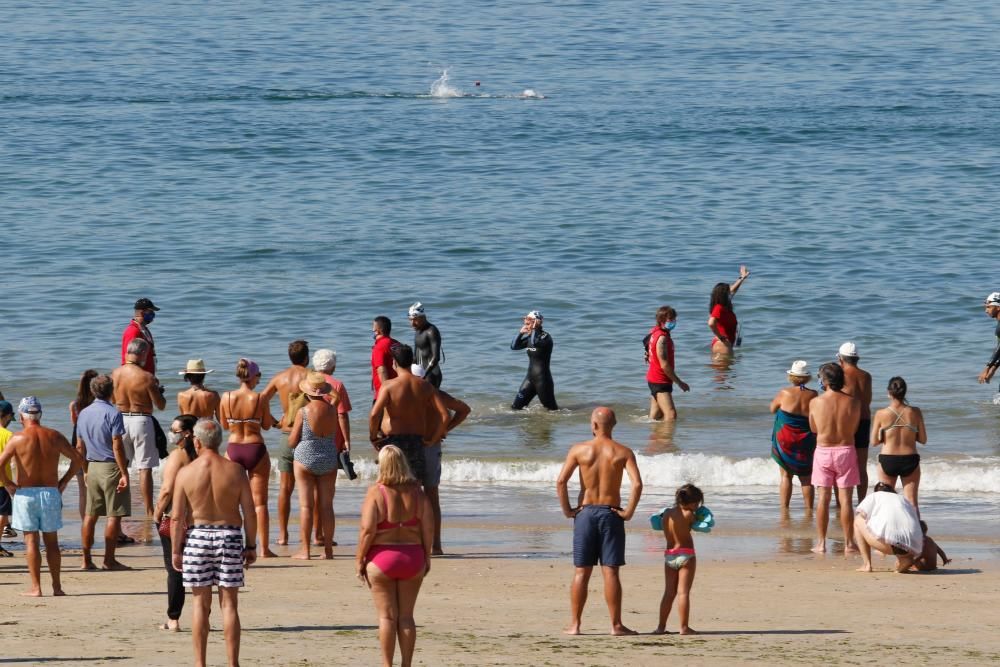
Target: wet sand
[(483, 607)]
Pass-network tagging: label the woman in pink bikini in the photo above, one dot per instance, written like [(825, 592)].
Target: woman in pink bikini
[(244, 414), (394, 550)]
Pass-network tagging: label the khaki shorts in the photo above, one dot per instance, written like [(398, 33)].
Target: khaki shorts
[(102, 497)]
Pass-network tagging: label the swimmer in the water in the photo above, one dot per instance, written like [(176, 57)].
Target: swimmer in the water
[(426, 344), (538, 381), (992, 305)]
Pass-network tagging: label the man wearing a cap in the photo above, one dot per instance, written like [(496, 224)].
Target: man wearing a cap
[(992, 305), (426, 344), (6, 417), (538, 381), (37, 505), (144, 314), (858, 383)]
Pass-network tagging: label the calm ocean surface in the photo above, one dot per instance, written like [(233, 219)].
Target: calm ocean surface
[(267, 172)]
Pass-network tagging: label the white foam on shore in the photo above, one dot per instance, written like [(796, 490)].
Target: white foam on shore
[(971, 475)]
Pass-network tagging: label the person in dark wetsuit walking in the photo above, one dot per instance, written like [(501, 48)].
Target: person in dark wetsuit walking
[(426, 344), (538, 381), (992, 306)]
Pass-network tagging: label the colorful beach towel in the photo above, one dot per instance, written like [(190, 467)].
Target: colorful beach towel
[(792, 443)]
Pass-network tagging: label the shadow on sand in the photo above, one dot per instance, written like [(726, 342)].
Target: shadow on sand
[(311, 628), (35, 661)]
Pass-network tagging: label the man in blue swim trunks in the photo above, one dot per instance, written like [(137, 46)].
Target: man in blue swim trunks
[(599, 520), (38, 493)]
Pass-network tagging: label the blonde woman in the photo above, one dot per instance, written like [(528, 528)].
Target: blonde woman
[(394, 550)]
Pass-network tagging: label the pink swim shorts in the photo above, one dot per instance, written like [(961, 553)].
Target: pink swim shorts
[(835, 465)]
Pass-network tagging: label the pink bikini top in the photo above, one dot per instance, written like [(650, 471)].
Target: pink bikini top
[(388, 525)]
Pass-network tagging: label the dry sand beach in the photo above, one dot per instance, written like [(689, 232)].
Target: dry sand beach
[(480, 608)]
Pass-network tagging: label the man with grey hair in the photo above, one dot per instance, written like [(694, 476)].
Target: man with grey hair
[(325, 361), (214, 493), (38, 492), (99, 432), (136, 393)]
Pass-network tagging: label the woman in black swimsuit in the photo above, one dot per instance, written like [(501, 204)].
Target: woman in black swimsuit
[(898, 428)]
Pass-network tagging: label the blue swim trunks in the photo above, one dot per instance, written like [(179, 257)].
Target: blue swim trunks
[(37, 508), (598, 537)]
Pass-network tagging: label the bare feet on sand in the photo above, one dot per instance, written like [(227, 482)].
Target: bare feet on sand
[(820, 548), (171, 625), (88, 564), (661, 631), (621, 631), (850, 549), (32, 593), (268, 553), (115, 566), (865, 568), (437, 551), (282, 541), (301, 555), (573, 629), (58, 592), (688, 631)]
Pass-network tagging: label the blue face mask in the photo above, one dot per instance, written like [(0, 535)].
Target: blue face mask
[(148, 316), (374, 335), (669, 326)]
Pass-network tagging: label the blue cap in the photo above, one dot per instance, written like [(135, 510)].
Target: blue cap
[(29, 405), (6, 408)]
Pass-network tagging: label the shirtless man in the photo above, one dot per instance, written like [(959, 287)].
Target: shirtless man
[(834, 417), (284, 383), (402, 413), (37, 496), (458, 410), (426, 344), (198, 400), (137, 391), (858, 383), (599, 520), (211, 492)]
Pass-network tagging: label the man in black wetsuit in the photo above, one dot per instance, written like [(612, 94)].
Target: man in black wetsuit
[(426, 344), (538, 381), (992, 305)]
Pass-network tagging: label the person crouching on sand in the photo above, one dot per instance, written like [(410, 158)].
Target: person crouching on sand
[(679, 558)]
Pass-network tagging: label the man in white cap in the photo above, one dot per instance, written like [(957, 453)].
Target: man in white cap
[(992, 305), (426, 344), (38, 492), (538, 381), (858, 383)]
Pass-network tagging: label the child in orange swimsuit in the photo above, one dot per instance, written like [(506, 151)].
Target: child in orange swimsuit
[(679, 558)]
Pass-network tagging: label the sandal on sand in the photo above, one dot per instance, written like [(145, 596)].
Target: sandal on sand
[(125, 539), (5, 554), (9, 532)]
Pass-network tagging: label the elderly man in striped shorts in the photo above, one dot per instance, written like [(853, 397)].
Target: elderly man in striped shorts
[(212, 491)]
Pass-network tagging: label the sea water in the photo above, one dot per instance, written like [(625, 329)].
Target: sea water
[(270, 172)]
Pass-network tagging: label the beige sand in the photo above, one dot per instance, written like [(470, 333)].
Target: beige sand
[(488, 609)]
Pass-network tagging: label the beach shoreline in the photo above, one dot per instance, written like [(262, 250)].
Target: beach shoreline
[(480, 608)]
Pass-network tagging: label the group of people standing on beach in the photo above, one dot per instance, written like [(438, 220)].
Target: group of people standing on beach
[(212, 508)]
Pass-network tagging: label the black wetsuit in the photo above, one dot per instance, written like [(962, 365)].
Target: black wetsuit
[(538, 381), (427, 349), (995, 359)]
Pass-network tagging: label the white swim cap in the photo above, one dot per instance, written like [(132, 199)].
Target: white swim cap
[(993, 299), (534, 315), (417, 310), (848, 349)]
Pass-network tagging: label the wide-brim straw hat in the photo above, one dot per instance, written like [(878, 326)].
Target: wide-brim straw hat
[(195, 366), (315, 384)]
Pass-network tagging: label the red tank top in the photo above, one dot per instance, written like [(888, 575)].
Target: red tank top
[(655, 373)]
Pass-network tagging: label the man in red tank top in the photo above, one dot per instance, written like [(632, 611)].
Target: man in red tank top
[(661, 376)]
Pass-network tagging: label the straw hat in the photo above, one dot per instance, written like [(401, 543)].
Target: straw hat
[(315, 384), (195, 366)]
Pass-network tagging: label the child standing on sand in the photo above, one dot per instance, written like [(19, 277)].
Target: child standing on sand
[(679, 559)]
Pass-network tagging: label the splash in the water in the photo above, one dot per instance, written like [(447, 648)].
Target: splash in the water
[(532, 94), (441, 88)]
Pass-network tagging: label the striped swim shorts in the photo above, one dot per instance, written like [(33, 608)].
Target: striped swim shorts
[(213, 556)]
